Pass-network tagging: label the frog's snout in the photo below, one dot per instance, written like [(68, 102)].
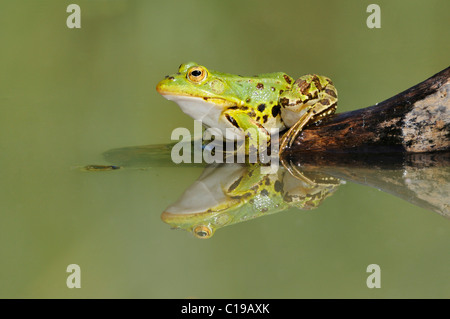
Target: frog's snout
[(162, 85), (158, 87)]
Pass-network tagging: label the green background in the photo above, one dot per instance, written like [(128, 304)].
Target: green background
[(68, 95)]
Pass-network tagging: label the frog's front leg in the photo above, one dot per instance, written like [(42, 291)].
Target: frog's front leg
[(310, 98), (255, 135)]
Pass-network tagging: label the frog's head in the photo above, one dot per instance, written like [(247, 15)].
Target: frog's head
[(205, 206), (198, 91), (204, 94), (196, 81)]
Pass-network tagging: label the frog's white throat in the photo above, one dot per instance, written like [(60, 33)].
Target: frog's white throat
[(196, 107), (206, 112)]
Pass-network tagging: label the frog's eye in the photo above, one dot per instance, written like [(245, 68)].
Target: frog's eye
[(202, 231), (196, 74)]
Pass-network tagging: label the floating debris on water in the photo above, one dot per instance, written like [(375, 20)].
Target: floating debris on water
[(96, 168)]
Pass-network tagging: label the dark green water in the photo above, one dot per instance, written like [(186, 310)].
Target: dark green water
[(69, 95)]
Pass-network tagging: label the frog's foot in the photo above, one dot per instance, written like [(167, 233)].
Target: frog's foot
[(290, 136), (256, 147), (252, 149), (295, 172)]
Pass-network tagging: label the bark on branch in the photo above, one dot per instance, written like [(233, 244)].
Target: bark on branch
[(416, 120)]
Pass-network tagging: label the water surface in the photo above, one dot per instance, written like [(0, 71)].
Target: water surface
[(68, 96)]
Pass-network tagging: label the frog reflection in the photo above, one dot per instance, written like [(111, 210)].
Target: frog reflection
[(231, 193)]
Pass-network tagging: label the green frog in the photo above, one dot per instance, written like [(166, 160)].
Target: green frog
[(226, 194), (251, 108)]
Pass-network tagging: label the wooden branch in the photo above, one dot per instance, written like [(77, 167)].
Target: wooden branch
[(416, 120)]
